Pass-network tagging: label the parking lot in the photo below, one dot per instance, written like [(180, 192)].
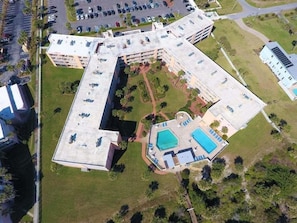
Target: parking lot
[(94, 14), (16, 22)]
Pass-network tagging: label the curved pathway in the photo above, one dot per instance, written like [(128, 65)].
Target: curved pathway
[(243, 26)]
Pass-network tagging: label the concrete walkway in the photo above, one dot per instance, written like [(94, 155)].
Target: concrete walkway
[(243, 26)]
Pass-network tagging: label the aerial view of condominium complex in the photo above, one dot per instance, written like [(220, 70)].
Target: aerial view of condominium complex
[(84, 142)]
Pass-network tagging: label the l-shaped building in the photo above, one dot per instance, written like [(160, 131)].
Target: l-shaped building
[(83, 142)]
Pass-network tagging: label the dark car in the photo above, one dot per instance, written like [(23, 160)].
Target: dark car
[(165, 3), (96, 14), (88, 29), (99, 8), (118, 6), (79, 29), (112, 12), (105, 13)]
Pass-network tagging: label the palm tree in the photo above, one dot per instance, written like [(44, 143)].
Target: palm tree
[(5, 5), (180, 74)]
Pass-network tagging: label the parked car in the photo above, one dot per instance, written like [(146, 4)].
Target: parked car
[(99, 8), (79, 29)]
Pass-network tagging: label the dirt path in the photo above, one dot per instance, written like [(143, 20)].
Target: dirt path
[(150, 91)]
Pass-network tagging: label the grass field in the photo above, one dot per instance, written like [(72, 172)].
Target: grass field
[(74, 196), (275, 29), (264, 4), (229, 7)]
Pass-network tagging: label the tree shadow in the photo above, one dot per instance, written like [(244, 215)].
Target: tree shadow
[(136, 218)]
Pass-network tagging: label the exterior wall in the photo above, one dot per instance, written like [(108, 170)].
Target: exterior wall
[(82, 166), (71, 61), (280, 71)]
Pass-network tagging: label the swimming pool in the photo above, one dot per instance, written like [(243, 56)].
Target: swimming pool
[(166, 140), (203, 140), (295, 91)]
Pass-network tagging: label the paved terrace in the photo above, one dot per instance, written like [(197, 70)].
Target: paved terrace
[(182, 127)]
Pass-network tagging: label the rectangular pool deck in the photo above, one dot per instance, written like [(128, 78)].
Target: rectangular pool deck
[(183, 127)]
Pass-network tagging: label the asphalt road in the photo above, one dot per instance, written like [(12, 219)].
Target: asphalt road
[(59, 26)]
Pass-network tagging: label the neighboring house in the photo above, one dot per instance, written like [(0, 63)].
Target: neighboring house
[(233, 104), (283, 65), (14, 110)]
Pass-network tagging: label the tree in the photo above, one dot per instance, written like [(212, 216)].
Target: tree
[(123, 145), (238, 162), (5, 5), (224, 129), (215, 124), (22, 38), (180, 74), (294, 43), (68, 26), (119, 93), (7, 192)]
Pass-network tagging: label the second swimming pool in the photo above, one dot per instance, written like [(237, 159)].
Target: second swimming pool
[(203, 140)]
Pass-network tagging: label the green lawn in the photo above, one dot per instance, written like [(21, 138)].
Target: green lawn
[(262, 82), (174, 97), (229, 7), (73, 196), (138, 111), (275, 29), (264, 3)]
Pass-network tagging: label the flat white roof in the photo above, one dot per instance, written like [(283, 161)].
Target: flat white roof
[(1, 131), (72, 45), (6, 110), (85, 117), (17, 97), (236, 104)]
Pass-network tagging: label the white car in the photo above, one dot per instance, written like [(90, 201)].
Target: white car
[(149, 19), (153, 19)]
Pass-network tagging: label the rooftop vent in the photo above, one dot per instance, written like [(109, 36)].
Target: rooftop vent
[(89, 100), (72, 42), (99, 141), (191, 54), (230, 109), (72, 138), (84, 115), (128, 42), (60, 41), (179, 44), (94, 85), (147, 39), (214, 72), (164, 36), (181, 27), (200, 17), (200, 61), (191, 21), (88, 44)]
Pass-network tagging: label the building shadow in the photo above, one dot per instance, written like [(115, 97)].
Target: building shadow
[(19, 163)]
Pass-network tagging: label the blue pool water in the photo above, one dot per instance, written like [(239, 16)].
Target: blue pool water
[(166, 140), (295, 91), (203, 140)]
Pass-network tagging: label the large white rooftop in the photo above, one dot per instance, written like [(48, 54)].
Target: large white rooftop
[(235, 103), (85, 115), (72, 45)]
